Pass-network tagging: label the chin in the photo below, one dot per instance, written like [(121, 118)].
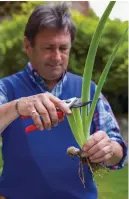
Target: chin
[(55, 76)]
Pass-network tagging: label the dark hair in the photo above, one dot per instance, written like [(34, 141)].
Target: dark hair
[(55, 15)]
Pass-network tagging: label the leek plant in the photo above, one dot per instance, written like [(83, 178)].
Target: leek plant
[(80, 120)]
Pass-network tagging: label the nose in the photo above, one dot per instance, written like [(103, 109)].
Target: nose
[(56, 55)]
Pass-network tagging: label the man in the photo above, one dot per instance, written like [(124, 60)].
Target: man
[(36, 165)]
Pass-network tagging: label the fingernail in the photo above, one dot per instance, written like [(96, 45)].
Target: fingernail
[(69, 112), (84, 148)]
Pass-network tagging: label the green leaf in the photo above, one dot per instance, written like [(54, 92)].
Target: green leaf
[(89, 65), (103, 78)]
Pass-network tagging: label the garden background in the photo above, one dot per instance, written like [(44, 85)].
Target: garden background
[(13, 17)]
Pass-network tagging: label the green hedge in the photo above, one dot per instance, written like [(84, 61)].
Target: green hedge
[(13, 58)]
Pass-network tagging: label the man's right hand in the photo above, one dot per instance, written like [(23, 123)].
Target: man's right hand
[(42, 105)]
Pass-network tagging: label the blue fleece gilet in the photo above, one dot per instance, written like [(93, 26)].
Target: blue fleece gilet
[(36, 165)]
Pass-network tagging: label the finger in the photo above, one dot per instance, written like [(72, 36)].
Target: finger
[(102, 159), (36, 118), (60, 104), (97, 147), (51, 111), (102, 153), (46, 122), (93, 140)]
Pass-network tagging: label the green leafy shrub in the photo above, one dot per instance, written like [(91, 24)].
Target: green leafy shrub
[(12, 55)]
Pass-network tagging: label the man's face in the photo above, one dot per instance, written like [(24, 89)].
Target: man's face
[(50, 53)]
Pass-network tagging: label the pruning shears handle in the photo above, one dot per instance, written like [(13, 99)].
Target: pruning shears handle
[(71, 103), (59, 113), (34, 127)]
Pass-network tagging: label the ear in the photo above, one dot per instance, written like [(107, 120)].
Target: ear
[(27, 46)]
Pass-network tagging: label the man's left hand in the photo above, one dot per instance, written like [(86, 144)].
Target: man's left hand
[(100, 148)]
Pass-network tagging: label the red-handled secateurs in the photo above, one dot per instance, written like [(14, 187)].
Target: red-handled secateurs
[(71, 103)]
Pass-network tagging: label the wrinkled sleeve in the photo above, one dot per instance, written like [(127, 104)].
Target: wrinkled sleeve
[(3, 93), (104, 120)]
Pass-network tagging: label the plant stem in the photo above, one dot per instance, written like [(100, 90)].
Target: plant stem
[(78, 120), (89, 64), (73, 126)]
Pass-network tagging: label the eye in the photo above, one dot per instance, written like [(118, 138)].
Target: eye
[(48, 48), (63, 49)]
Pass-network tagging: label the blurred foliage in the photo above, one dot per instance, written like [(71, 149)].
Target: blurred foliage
[(7, 8), (92, 14), (12, 55), (13, 58)]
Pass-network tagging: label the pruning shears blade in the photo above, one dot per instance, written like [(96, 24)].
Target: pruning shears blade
[(78, 103)]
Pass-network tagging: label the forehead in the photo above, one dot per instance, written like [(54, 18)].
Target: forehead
[(53, 36)]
